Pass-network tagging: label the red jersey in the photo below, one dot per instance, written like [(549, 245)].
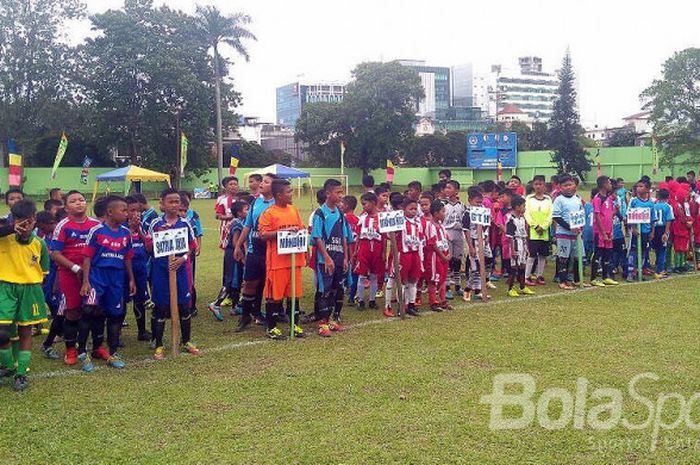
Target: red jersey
[(70, 238), (681, 217), (223, 206)]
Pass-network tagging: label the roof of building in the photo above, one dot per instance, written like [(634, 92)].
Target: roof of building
[(640, 115), (509, 109)]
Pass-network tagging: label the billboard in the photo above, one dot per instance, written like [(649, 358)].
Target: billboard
[(484, 149)]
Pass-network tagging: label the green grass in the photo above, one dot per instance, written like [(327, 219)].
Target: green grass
[(386, 391)]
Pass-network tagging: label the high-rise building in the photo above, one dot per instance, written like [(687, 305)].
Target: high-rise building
[(436, 86), (292, 98), (527, 86)]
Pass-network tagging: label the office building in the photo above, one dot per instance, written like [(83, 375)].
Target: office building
[(292, 98), (436, 87)]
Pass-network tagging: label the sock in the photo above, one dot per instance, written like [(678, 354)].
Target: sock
[(235, 297), (6, 358), (140, 315), (114, 326), (361, 288), (54, 330), (97, 327), (530, 267), (15, 350), (158, 330), (70, 333), (521, 276), (185, 328), (23, 358), (373, 286), (271, 311), (223, 293), (389, 296), (541, 262)]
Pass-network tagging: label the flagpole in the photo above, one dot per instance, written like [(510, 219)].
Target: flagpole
[(178, 168)]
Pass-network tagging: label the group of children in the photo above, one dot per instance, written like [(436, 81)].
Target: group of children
[(84, 270)]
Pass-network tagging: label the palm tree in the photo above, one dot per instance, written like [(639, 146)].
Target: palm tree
[(223, 30)]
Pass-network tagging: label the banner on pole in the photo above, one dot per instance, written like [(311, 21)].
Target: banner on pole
[(85, 172), (14, 164), (639, 216), (480, 216), (391, 221), (62, 146), (233, 166), (291, 242), (170, 242), (184, 142), (389, 171)]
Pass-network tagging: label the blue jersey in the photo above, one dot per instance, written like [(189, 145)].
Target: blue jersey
[(108, 247), (588, 227), (331, 227), (196, 222), (159, 268), (140, 256), (636, 202), (148, 217), (562, 208), (255, 245), (663, 213)]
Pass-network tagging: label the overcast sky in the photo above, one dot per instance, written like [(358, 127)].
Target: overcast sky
[(617, 46)]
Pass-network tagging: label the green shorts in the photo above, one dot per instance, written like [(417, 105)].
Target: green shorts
[(23, 304)]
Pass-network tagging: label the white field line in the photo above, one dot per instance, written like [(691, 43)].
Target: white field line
[(141, 363)]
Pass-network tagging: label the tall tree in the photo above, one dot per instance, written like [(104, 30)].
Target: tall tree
[(37, 70), (320, 127), (674, 103), (564, 134), (221, 30), (146, 66)]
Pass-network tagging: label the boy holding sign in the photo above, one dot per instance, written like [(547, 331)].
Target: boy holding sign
[(161, 266), (603, 213), (371, 251), (470, 230), (567, 205), (331, 234), (640, 217), (282, 216)]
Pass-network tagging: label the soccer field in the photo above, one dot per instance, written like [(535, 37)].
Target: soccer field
[(385, 391)]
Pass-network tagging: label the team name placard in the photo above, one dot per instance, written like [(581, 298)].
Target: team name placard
[(480, 216), (577, 219), (639, 216), (289, 242), (170, 242), (391, 221)]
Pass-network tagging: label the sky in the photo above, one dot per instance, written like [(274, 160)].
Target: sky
[(617, 46)]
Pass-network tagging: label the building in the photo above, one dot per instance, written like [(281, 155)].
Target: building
[(526, 86), (436, 87), (639, 121), (268, 135), (292, 98), (512, 113), (463, 85), (601, 135)]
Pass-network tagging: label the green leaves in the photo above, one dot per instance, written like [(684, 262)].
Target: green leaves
[(674, 103)]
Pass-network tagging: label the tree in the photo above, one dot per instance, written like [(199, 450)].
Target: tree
[(144, 68), (564, 137), (674, 103), (374, 119), (255, 155), (218, 30), (538, 136), (437, 149), (623, 137), (38, 91)]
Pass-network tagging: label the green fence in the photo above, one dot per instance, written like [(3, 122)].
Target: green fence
[(626, 162)]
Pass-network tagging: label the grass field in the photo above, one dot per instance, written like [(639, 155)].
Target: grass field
[(386, 391)]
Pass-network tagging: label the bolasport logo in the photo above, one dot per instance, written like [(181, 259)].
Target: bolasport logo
[(515, 405)]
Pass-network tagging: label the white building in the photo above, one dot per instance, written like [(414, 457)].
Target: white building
[(639, 121), (511, 113)]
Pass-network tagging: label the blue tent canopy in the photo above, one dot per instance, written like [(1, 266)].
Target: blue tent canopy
[(282, 171)]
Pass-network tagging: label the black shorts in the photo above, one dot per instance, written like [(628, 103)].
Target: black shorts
[(539, 247), (254, 266), (228, 267), (162, 312)]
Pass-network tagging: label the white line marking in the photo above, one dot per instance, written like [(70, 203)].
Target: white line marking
[(239, 345)]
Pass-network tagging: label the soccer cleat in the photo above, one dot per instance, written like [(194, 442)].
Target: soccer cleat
[(243, 323), (324, 330), (336, 326), (144, 336), (190, 348), (446, 306), (50, 353), (84, 358), (610, 282), (467, 296), (513, 293), (389, 313), (541, 281), (216, 311), (361, 305), (527, 291), (449, 295), (7, 372), (659, 276), (372, 304), (298, 332), (159, 354), (101, 353), (495, 277), (565, 287), (435, 308), (379, 295), (419, 301), (227, 302), (531, 282), (20, 383), (153, 344), (237, 310), (275, 334), (597, 283), (490, 285), (115, 362), (71, 357), (44, 331), (412, 310)]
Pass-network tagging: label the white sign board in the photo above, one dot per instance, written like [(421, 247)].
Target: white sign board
[(639, 216), (480, 216), (577, 219), (391, 221), (170, 242), (290, 242)]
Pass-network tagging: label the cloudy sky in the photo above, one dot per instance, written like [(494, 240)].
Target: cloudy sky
[(617, 46)]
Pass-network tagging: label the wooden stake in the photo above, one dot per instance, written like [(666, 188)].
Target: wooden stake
[(397, 274), (482, 263), (174, 308)]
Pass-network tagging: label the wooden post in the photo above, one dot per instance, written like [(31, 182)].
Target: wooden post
[(174, 308), (397, 273), (482, 263), (640, 273)]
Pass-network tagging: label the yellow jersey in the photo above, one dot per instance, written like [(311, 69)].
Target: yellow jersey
[(23, 262)]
